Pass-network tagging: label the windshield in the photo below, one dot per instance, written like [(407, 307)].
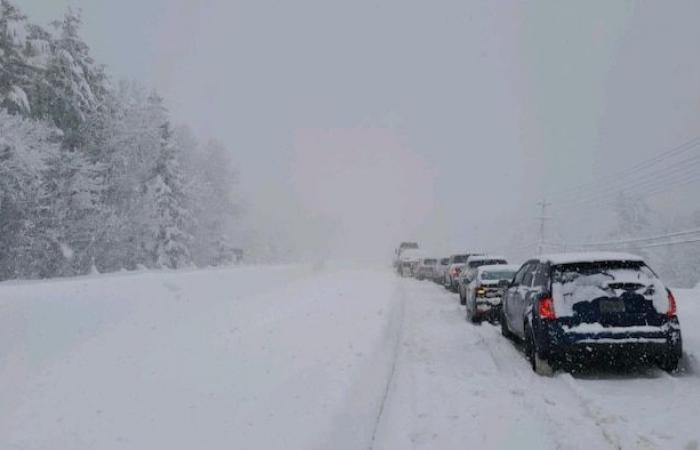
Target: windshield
[(459, 259), (430, 262), (498, 275), (486, 262)]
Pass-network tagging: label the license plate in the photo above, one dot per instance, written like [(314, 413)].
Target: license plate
[(611, 306)]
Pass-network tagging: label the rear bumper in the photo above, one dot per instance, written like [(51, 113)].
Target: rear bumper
[(559, 343)]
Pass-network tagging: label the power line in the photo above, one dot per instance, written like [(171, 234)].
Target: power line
[(664, 244), (644, 190), (645, 239), (641, 181), (677, 150)]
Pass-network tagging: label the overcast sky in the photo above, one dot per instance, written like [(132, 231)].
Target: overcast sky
[(357, 124)]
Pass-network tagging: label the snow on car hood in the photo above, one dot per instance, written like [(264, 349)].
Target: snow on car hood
[(586, 288)]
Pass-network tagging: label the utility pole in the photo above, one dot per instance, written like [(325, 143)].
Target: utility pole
[(543, 220)]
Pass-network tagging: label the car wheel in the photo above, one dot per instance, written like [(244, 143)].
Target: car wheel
[(669, 364), (473, 318), (462, 298), (539, 365), (505, 331), (476, 318)]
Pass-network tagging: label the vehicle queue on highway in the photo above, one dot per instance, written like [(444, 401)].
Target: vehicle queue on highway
[(568, 310)]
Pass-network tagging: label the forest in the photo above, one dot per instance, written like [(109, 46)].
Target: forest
[(94, 175)]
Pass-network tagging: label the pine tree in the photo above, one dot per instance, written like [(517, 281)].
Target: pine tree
[(170, 220), (214, 204), (25, 147), (72, 213), (74, 85), (15, 74)]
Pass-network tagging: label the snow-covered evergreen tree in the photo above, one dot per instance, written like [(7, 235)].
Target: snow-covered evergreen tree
[(214, 204), (25, 148), (72, 212), (170, 222), (15, 74), (74, 84)]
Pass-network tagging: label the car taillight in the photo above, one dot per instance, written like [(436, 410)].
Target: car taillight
[(456, 271), (546, 309), (671, 305)]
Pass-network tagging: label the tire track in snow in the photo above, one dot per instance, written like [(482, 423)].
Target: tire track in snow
[(510, 359), (394, 360), (589, 408), (600, 419)]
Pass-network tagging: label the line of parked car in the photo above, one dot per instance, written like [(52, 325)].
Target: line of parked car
[(568, 310)]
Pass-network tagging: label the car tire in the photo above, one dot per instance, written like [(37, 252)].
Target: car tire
[(462, 299), (473, 318), (505, 331), (539, 364), (669, 364)]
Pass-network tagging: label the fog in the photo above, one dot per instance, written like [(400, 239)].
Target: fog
[(354, 125)]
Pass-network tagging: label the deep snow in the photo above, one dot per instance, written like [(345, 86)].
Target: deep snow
[(309, 358)]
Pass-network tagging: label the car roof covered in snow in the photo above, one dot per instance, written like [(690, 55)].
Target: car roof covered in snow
[(499, 268), (485, 258), (572, 258), (411, 253)]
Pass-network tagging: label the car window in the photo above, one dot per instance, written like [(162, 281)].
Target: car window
[(529, 275), (459, 259), (541, 278), (518, 279)]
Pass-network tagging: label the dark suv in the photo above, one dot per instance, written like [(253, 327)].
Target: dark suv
[(572, 309)]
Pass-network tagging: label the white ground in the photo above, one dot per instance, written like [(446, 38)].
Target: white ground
[(302, 358)]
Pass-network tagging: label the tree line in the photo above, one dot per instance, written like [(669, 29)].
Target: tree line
[(94, 176)]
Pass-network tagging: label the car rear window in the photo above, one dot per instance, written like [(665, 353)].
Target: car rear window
[(458, 259), (565, 273), (585, 281), (430, 262)]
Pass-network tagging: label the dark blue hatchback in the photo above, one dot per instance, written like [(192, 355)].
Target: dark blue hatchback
[(571, 309)]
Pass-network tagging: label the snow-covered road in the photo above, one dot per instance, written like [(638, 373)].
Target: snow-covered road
[(294, 357)]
